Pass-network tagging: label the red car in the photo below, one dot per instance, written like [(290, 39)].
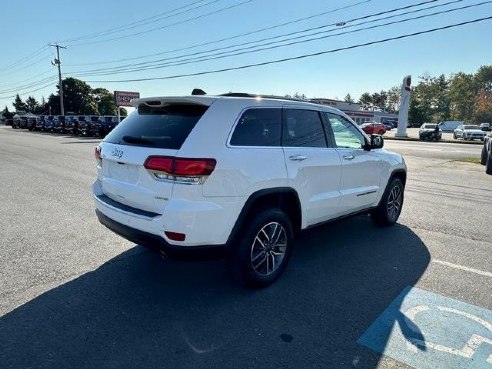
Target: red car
[(372, 128)]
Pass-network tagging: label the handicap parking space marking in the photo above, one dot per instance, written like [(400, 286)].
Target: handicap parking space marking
[(426, 331)]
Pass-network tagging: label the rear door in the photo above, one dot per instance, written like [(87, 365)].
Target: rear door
[(361, 169), (313, 168), (149, 131)]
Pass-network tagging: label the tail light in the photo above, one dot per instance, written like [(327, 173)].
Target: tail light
[(97, 154), (184, 170)]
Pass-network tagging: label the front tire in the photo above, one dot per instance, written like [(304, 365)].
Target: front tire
[(390, 206), (263, 249)]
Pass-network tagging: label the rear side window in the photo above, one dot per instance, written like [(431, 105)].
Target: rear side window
[(303, 128), (258, 127), (161, 127)]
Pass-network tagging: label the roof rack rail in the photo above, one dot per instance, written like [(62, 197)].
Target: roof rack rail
[(244, 94)]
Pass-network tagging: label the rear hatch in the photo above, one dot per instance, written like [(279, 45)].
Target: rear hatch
[(156, 128)]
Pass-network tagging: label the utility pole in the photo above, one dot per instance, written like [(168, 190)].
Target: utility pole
[(58, 63)]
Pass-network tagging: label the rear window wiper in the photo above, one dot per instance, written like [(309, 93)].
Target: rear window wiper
[(138, 140)]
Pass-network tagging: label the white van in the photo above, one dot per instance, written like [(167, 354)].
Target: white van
[(450, 125)]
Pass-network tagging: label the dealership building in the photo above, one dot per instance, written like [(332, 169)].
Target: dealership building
[(354, 111)]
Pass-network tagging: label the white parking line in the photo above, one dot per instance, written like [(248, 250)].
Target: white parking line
[(461, 267)]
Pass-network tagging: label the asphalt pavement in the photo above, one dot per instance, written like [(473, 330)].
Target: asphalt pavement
[(74, 295)]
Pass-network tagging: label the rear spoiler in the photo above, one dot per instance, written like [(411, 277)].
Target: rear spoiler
[(166, 100)]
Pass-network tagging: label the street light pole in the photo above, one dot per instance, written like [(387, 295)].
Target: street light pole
[(58, 63)]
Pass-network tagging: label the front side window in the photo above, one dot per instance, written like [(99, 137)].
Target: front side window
[(344, 132), (303, 128), (258, 127)]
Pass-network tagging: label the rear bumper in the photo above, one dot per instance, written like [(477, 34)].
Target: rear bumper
[(153, 241)]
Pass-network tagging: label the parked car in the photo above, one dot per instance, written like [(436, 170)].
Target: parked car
[(40, 123), (469, 132), (95, 125), (486, 158), (485, 127), (428, 132), (107, 124), (31, 123), (59, 124), (372, 128), (450, 125), (16, 122), (389, 126), (263, 176), (48, 123), (23, 122), (71, 124), (84, 123)]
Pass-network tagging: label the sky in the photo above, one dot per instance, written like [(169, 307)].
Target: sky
[(108, 42)]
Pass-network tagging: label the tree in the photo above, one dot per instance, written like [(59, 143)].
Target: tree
[(365, 101), (53, 105), (348, 99), (77, 97), (461, 96), (416, 115), (393, 100), (105, 101), (483, 78), (483, 107), (441, 103), (379, 100), (42, 107), (31, 104), (18, 104), (6, 113), (299, 96)]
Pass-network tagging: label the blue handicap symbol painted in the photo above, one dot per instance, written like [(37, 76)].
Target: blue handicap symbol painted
[(428, 331)]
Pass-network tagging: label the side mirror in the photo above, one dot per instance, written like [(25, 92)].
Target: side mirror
[(377, 142)]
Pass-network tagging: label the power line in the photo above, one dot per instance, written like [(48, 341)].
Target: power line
[(28, 86), (142, 22), (28, 79), (24, 59), (166, 26), (229, 37), (299, 56), (27, 93), (278, 36), (257, 48), (23, 65)]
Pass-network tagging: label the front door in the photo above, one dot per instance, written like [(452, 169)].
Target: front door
[(361, 169)]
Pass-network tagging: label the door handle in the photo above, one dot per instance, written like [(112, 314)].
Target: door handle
[(348, 157), (297, 157)]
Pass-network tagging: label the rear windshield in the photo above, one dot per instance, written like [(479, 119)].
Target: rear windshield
[(471, 127), (430, 126), (161, 127)]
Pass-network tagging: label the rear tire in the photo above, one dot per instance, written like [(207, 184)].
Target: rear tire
[(262, 251), (391, 204), (483, 157), (488, 164)]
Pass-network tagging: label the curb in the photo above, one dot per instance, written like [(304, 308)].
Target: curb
[(440, 141)]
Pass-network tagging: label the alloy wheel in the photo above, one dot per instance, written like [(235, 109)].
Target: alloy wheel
[(395, 200), (268, 249)]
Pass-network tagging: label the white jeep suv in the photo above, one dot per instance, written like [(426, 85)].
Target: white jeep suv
[(242, 174)]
